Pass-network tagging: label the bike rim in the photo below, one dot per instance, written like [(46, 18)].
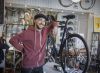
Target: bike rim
[(65, 4), (83, 68), (90, 4)]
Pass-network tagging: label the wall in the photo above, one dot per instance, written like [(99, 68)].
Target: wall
[(54, 4), (86, 21), (90, 29)]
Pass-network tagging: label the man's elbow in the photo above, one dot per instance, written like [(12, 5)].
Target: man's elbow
[(11, 41)]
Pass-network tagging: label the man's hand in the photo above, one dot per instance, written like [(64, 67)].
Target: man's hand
[(50, 18), (54, 32)]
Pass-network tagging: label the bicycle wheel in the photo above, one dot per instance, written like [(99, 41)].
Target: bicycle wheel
[(65, 3), (87, 4), (74, 55), (50, 50)]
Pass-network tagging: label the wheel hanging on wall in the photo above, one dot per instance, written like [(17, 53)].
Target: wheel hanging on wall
[(87, 4), (65, 3)]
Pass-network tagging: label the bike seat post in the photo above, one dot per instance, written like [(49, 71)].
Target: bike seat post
[(68, 17), (66, 21)]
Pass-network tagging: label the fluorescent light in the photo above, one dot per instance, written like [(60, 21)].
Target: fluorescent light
[(73, 12), (39, 9), (25, 6), (32, 9), (62, 11), (51, 9), (10, 4), (76, 1), (82, 13)]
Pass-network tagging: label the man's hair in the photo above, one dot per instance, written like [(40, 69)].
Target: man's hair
[(40, 16)]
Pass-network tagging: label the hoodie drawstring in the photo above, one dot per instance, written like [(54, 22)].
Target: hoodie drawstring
[(40, 39)]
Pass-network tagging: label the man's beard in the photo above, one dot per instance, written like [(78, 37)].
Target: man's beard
[(38, 27)]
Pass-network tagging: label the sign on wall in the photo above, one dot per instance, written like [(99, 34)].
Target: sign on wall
[(96, 24)]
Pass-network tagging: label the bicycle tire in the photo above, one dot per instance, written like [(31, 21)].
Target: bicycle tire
[(49, 47), (50, 58), (62, 4), (65, 58), (83, 6)]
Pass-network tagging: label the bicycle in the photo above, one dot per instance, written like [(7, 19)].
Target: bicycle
[(84, 4), (71, 56)]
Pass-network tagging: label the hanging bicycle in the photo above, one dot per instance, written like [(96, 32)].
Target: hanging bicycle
[(87, 4), (84, 4)]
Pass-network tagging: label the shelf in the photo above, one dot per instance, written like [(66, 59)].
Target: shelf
[(95, 43)]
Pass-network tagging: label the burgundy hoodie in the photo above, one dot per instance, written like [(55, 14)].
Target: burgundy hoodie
[(32, 44)]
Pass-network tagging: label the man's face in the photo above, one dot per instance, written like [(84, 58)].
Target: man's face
[(40, 23)]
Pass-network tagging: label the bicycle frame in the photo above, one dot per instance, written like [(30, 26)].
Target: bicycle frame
[(61, 56), (65, 34), (82, 5)]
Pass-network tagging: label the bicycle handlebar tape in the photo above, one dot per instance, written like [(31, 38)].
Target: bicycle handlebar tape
[(69, 16)]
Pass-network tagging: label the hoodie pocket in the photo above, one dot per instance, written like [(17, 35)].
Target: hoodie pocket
[(29, 44)]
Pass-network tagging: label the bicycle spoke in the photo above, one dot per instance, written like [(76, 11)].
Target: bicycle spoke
[(75, 55), (50, 50), (87, 4), (65, 3)]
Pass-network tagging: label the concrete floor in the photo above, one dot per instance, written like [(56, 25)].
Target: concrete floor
[(49, 68)]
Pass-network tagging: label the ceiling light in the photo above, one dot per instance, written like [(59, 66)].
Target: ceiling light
[(73, 12), (32, 9), (62, 11), (82, 13), (39, 9), (76, 1), (51, 10), (25, 6), (10, 4)]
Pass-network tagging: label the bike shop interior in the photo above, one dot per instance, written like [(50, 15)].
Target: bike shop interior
[(85, 23)]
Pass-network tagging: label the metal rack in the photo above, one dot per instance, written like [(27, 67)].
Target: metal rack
[(13, 61), (95, 51)]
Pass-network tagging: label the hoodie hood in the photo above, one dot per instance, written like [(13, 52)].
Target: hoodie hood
[(31, 27)]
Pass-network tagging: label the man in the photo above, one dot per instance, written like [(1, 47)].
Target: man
[(32, 43)]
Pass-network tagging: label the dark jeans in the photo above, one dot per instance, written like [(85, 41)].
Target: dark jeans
[(34, 70), (1, 70)]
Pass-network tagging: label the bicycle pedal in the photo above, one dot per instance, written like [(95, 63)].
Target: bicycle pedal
[(57, 67)]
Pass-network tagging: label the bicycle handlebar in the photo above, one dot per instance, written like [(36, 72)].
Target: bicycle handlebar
[(69, 17)]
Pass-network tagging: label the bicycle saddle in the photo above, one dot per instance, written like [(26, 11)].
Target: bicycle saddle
[(69, 16)]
